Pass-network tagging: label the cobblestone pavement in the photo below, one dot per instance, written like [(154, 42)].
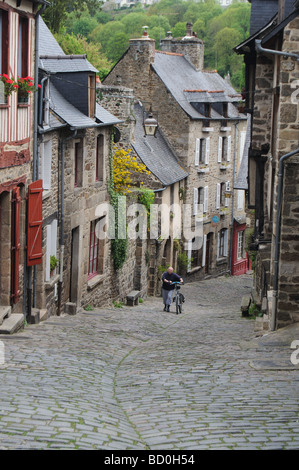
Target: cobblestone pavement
[(140, 378)]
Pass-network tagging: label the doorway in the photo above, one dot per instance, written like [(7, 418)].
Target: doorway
[(74, 281), (209, 245)]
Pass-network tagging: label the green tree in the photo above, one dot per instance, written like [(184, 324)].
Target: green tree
[(72, 44), (117, 45), (179, 30), (133, 23), (56, 13)]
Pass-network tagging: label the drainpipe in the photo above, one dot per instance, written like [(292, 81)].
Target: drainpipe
[(61, 243), (35, 157), (259, 48), (233, 203), (277, 235)]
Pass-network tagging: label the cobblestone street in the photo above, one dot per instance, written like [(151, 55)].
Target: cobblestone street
[(140, 378)]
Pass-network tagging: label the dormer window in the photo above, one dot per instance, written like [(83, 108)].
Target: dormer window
[(207, 113)]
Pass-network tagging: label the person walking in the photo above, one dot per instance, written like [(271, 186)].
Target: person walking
[(168, 278)]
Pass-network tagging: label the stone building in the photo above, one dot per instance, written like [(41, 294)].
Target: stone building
[(199, 119), (167, 178), (17, 157), (75, 138), (271, 58)]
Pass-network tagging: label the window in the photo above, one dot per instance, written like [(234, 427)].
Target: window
[(222, 243), (240, 245), (23, 47), (207, 113), (224, 149), (100, 158), (96, 248), (46, 164), (200, 196), (3, 41), (78, 163), (202, 151), (51, 248), (3, 50)]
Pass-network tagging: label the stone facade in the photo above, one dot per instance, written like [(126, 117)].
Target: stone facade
[(275, 134), (135, 70)]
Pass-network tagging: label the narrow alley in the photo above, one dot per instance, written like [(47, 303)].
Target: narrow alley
[(138, 378)]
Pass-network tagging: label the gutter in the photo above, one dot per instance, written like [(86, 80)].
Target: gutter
[(277, 235)]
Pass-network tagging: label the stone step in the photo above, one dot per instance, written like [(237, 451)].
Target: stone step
[(5, 312), (12, 324)]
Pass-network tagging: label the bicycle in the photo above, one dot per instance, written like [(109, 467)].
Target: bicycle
[(179, 299)]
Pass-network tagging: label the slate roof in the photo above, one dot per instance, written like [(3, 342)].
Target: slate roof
[(188, 85), (262, 11), (62, 111), (156, 154), (71, 116), (53, 59)]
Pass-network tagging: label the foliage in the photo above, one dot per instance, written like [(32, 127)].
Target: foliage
[(147, 198), (72, 44), (10, 85), (184, 262), (26, 86), (117, 304), (106, 35), (125, 169), (57, 12), (53, 262)]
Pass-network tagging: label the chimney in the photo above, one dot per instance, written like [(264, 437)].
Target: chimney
[(190, 46)]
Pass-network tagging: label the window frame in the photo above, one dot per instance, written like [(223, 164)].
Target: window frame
[(94, 246)]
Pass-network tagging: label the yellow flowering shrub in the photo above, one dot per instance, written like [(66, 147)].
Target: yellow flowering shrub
[(125, 169)]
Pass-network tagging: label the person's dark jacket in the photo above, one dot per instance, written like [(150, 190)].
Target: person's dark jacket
[(173, 277)]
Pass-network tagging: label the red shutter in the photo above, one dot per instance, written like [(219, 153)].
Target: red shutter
[(35, 221), (15, 245)]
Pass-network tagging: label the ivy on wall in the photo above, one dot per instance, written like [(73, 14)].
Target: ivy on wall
[(123, 167)]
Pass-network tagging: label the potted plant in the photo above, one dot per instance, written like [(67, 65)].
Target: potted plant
[(53, 263), (25, 88), (9, 86)]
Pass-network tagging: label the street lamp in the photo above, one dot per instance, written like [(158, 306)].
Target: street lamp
[(150, 125)]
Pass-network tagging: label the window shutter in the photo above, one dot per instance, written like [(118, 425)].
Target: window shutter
[(240, 199), (242, 144), (204, 248), (227, 188), (16, 210), (34, 225), (229, 139), (218, 244), (207, 152), (196, 161), (218, 190), (206, 199), (47, 162), (219, 149), (195, 200)]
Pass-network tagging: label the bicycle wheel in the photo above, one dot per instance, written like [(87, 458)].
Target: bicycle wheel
[(177, 304)]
